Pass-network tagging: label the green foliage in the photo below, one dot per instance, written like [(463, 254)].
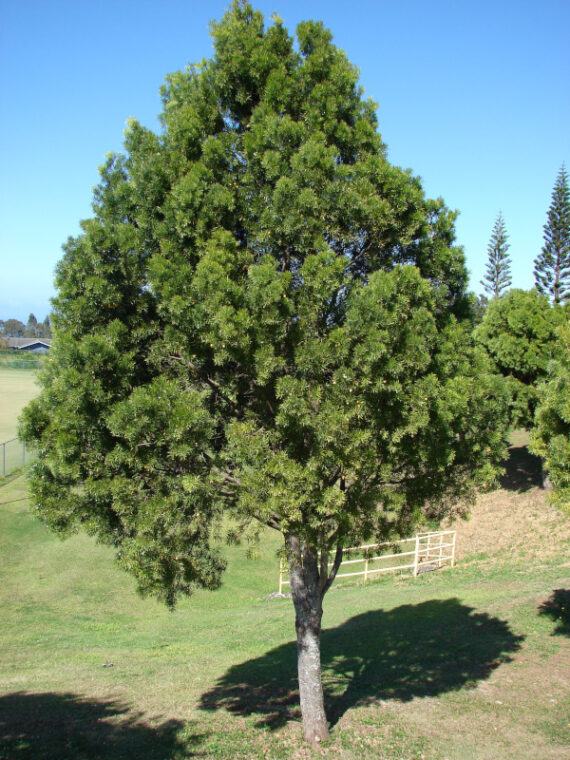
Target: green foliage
[(263, 317), (518, 332), (498, 274), (13, 328), (551, 435), (552, 267), (479, 307)]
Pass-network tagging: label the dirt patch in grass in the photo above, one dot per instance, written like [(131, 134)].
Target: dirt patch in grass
[(515, 521)]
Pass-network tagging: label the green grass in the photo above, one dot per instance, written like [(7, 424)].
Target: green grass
[(469, 663), (17, 387)]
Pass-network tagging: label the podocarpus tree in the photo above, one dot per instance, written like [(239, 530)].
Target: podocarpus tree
[(498, 273), (518, 332), (551, 435), (264, 318)]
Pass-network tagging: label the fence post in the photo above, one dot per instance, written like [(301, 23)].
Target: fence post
[(440, 550), (453, 550), (280, 574), (417, 555), (366, 568)]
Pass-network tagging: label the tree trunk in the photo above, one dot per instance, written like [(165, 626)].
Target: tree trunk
[(306, 593), (546, 483)]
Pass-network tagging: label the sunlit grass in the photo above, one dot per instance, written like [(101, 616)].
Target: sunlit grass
[(17, 387)]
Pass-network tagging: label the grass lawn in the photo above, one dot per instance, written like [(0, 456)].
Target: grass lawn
[(470, 663), (17, 387)]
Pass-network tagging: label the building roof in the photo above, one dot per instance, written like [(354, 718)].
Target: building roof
[(19, 343)]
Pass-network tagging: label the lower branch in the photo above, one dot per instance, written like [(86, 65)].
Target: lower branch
[(334, 570)]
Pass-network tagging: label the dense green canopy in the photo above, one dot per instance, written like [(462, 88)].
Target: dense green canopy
[(519, 333), (263, 318), (551, 434)]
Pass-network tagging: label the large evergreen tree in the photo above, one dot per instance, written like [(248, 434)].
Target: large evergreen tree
[(498, 273), (32, 326), (552, 267), (262, 320)]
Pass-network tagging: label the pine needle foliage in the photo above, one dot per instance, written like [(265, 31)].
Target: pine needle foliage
[(552, 266), (498, 272)]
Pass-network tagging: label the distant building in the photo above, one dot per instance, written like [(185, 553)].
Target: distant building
[(35, 345)]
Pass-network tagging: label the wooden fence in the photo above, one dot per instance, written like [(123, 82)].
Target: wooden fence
[(423, 552)]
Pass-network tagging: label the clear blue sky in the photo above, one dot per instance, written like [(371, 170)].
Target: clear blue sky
[(474, 96)]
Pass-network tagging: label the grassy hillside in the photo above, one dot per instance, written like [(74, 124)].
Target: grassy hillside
[(467, 664), (17, 387)]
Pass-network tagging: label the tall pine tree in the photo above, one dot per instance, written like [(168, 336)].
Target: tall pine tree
[(552, 267), (498, 275)]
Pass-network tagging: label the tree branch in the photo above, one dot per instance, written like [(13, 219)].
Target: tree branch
[(333, 572), (209, 381), (273, 522)]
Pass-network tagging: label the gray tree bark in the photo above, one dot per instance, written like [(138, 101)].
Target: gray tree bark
[(306, 591)]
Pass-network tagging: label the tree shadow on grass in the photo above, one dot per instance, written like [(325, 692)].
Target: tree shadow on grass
[(557, 607), (411, 651), (523, 470), (52, 726)]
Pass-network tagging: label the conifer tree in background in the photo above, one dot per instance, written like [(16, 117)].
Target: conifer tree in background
[(498, 275), (263, 321), (552, 267), (44, 328), (32, 326)]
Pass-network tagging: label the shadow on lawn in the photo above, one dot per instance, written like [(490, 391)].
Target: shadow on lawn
[(523, 470), (411, 651), (557, 607), (65, 726)]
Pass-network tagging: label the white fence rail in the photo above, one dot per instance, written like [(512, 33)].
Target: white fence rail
[(13, 455), (423, 552)]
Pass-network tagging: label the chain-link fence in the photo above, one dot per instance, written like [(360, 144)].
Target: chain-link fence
[(13, 455), (20, 359)]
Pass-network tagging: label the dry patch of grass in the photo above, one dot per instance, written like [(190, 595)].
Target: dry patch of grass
[(515, 522), (506, 526)]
